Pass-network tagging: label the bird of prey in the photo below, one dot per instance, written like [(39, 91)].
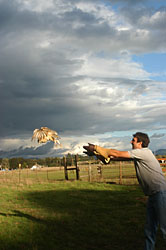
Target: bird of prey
[(45, 134)]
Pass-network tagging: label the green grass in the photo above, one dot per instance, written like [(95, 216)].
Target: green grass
[(72, 215)]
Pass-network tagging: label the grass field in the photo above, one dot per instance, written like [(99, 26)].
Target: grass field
[(72, 215)]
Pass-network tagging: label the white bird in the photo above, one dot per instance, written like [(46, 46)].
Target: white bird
[(45, 134)]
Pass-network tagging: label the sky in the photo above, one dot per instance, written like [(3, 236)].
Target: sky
[(93, 70)]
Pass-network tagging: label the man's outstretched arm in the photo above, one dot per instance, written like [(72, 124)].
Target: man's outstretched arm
[(115, 153), (108, 153)]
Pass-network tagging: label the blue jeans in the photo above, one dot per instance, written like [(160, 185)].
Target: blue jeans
[(155, 216)]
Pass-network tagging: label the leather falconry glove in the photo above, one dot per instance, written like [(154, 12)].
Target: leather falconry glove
[(99, 152)]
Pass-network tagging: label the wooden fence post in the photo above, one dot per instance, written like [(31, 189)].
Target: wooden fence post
[(27, 170), (47, 174), (99, 170), (19, 165), (65, 167), (90, 172), (77, 168), (120, 172)]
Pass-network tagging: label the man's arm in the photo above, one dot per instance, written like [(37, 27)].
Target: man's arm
[(117, 153), (121, 159), (108, 153)]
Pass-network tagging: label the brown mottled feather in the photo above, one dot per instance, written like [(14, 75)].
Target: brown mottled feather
[(45, 134)]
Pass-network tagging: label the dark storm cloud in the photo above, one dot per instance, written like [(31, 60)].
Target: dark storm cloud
[(157, 135), (32, 152), (111, 1), (14, 20), (146, 18)]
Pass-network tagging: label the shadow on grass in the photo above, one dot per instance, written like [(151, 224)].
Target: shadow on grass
[(79, 219), (20, 214)]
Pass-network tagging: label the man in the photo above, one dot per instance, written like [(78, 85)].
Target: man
[(150, 177)]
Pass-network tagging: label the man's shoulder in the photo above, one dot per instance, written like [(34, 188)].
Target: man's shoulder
[(139, 152)]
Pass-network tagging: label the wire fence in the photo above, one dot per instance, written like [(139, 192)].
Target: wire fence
[(91, 171)]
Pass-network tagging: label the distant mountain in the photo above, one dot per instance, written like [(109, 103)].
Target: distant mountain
[(45, 150), (160, 152)]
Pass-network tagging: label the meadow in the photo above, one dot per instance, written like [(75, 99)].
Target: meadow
[(67, 215)]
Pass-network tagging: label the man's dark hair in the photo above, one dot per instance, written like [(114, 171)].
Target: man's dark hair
[(142, 137)]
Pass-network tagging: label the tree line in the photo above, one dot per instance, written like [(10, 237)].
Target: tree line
[(15, 163)]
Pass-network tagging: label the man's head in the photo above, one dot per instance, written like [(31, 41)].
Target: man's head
[(140, 140)]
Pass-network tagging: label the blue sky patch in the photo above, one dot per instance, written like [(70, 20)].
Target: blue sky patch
[(154, 63)]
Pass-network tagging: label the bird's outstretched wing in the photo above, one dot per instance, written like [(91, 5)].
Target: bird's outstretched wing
[(45, 134)]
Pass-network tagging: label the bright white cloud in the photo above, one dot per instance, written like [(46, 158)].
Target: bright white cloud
[(113, 68)]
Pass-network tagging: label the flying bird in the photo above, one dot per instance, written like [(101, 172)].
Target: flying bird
[(45, 134)]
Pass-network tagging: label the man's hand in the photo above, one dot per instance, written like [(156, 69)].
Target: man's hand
[(90, 148), (91, 151)]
